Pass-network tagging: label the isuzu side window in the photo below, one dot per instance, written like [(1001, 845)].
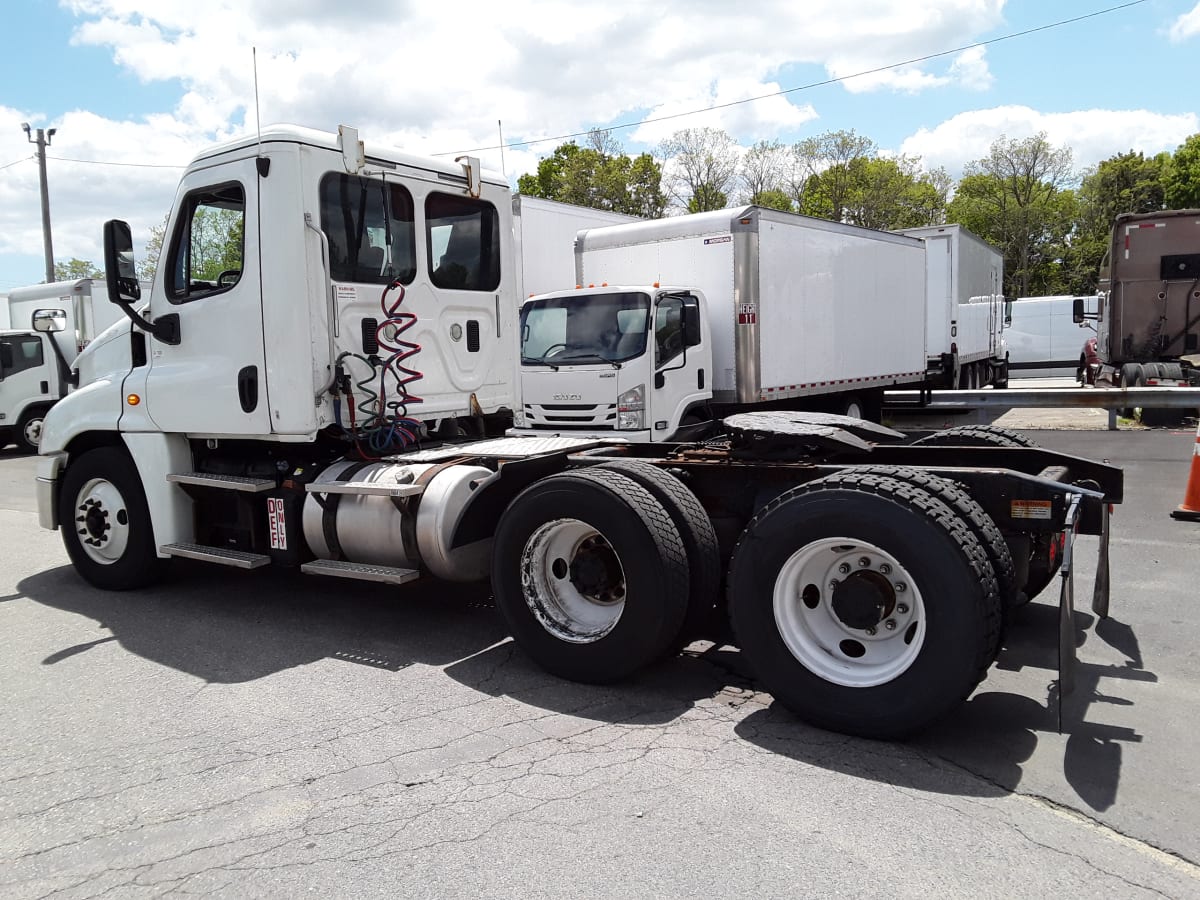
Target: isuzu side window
[(369, 224), (26, 354), (464, 243), (208, 246), (668, 330)]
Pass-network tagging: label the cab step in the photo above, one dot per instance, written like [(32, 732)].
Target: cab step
[(365, 488), (337, 568), (239, 559), (223, 482)]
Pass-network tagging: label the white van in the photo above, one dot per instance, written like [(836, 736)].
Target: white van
[(1043, 340)]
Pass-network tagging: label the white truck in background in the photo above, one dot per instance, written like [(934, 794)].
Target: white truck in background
[(35, 365), (964, 320), (764, 310), (544, 237), (1043, 338)]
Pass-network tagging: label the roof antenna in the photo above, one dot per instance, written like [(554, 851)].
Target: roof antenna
[(500, 128), (261, 163)]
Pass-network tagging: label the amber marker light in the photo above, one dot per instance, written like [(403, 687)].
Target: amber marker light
[(133, 399)]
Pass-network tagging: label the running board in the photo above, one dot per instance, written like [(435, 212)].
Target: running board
[(362, 571), (224, 482), (239, 559), (365, 488)]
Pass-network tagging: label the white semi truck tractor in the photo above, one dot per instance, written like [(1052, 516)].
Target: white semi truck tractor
[(324, 387)]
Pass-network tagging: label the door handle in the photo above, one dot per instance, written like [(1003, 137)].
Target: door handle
[(247, 385)]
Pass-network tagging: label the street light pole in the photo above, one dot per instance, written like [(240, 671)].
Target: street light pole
[(43, 141)]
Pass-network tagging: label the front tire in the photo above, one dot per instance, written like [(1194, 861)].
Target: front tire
[(864, 604), (105, 522), (590, 575), (29, 430)]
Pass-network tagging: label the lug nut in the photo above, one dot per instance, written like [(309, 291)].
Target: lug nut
[(902, 608), (901, 587), (890, 624), (864, 561), (844, 568), (871, 630), (885, 569), (833, 584)]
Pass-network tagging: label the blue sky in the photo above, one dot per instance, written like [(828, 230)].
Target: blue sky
[(136, 87)]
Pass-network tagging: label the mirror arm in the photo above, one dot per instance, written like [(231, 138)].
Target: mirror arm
[(64, 369), (164, 328)]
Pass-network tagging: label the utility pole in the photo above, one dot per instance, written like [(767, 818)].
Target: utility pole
[(43, 141)]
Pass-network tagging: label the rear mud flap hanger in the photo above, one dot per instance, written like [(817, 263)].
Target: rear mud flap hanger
[(1066, 596)]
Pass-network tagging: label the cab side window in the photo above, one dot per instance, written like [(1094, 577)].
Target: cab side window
[(208, 247), (369, 224), (464, 243), (26, 354), (668, 330)]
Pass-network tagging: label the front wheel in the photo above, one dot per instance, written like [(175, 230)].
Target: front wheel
[(29, 430), (105, 521), (864, 604)]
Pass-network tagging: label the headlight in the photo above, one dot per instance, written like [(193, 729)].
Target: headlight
[(631, 406), (632, 420)]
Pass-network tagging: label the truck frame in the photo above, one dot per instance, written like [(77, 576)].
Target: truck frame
[(867, 582)]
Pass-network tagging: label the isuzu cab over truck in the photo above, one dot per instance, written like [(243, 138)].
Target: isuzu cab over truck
[(1148, 323), (321, 311), (964, 319), (768, 310), (47, 326)]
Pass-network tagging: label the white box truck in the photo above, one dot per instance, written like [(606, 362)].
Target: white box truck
[(544, 234), (783, 312), (261, 410), (964, 319), (35, 366)]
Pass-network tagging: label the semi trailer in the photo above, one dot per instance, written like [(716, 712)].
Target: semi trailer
[(1148, 321), (283, 404)]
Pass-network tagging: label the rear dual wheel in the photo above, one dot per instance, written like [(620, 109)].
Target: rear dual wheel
[(591, 575), (864, 604)]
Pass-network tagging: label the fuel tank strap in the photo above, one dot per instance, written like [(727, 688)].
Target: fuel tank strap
[(329, 507), (408, 510)]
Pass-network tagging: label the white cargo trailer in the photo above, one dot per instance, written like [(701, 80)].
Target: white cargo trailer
[(965, 308), (544, 236), (796, 312)]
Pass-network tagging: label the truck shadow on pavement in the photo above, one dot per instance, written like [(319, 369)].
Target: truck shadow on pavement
[(979, 748)]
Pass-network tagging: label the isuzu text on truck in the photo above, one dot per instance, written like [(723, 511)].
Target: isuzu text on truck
[(277, 402)]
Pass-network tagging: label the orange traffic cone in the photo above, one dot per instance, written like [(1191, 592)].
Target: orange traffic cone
[(1190, 508)]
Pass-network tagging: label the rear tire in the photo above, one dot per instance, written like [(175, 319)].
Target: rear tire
[(699, 540), (812, 642), (105, 522), (976, 436), (591, 575)]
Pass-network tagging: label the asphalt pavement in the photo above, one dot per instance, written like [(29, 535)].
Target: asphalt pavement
[(265, 734)]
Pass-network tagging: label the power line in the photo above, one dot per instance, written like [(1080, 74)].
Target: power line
[(101, 162), (14, 162), (811, 85)]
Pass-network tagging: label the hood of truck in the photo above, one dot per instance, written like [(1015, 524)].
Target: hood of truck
[(571, 396)]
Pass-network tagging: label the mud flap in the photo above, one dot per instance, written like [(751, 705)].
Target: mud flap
[(1100, 593), (1066, 608)]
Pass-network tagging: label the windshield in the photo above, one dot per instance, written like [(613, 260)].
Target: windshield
[(584, 328)]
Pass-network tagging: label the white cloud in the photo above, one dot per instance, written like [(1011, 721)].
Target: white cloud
[(1186, 26), (1093, 135)]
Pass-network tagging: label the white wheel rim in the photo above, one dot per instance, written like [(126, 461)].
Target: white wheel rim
[(573, 581), (834, 641), (33, 431), (101, 521), (853, 410)]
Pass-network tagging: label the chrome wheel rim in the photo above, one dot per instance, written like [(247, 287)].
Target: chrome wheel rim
[(573, 581), (33, 432)]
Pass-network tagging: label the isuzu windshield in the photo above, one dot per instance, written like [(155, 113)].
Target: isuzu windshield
[(584, 328)]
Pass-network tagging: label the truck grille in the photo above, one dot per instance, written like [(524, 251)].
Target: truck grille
[(562, 416)]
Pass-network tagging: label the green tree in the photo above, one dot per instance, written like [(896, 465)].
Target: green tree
[(1127, 182), (775, 198), (1182, 177), (826, 164), (218, 238), (149, 259), (890, 193), (598, 177), (1016, 197), (74, 269), (704, 165), (763, 172)]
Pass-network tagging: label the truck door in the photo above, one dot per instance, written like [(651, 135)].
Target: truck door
[(680, 367), (26, 367), (214, 380)]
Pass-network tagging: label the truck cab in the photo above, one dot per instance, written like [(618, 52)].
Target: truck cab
[(30, 382), (614, 361)]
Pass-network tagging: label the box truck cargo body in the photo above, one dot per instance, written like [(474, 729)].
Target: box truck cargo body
[(796, 310), (964, 308), (544, 235)]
